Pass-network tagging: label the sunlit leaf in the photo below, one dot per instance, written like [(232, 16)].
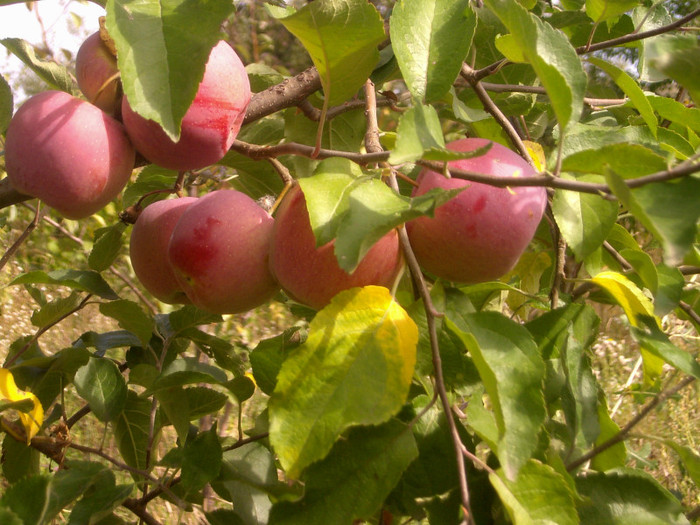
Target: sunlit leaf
[(539, 495), (84, 280), (601, 10), (551, 55), (131, 317), (31, 419), (162, 49), (6, 104), (355, 368), (343, 64), (419, 130), (512, 372), (430, 39), (54, 74)]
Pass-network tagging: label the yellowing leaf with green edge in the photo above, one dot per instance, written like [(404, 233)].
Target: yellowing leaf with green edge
[(31, 420), (635, 304), (536, 153), (355, 368)]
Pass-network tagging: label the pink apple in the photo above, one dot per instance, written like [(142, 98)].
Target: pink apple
[(219, 252), (211, 123), (311, 275), (481, 233), (68, 153), (148, 248), (95, 70)]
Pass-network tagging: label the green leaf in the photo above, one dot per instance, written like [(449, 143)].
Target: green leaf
[(539, 495), (19, 460), (630, 88), (131, 317), (29, 499), (602, 10), (689, 458), (512, 372), (83, 280), (267, 357), (190, 317), (186, 371), (419, 130), (54, 74), (616, 455), (248, 476), (430, 39), (325, 194), (668, 210), (355, 368), (107, 340), (201, 460), (55, 310), (353, 480), (672, 110), (100, 500), (585, 220), (629, 160), (162, 49), (6, 104), (131, 430), (627, 497), (656, 342), (676, 57), (343, 64), (7, 517), (150, 179), (108, 242), (223, 517), (102, 385), (551, 56)]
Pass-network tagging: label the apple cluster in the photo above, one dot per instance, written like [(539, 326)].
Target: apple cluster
[(226, 254), (77, 155)]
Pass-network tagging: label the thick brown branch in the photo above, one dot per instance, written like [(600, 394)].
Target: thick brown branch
[(289, 92)]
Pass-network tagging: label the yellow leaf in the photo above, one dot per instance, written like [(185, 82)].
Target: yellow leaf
[(635, 304), (31, 420), (536, 154)]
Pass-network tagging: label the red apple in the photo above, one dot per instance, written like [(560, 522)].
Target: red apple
[(68, 153), (148, 248), (219, 252), (211, 123), (481, 233), (95, 71), (311, 275)]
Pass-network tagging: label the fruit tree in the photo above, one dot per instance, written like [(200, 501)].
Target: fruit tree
[(347, 261)]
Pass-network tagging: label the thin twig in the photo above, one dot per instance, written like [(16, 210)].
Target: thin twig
[(622, 434), (23, 237)]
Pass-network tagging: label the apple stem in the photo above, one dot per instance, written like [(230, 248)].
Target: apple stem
[(319, 133), (104, 85), (287, 186)]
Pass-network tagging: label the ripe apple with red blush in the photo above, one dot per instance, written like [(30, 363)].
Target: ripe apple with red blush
[(68, 153), (97, 74), (209, 126), (148, 249), (311, 275), (219, 252), (480, 234)]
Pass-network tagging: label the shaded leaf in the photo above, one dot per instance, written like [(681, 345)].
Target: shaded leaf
[(131, 430), (355, 368), (584, 219), (186, 371), (6, 104), (201, 460), (353, 480), (430, 39), (19, 460), (267, 357), (102, 385), (108, 242), (83, 280), (247, 478), (131, 317), (656, 342), (627, 497), (55, 310)]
